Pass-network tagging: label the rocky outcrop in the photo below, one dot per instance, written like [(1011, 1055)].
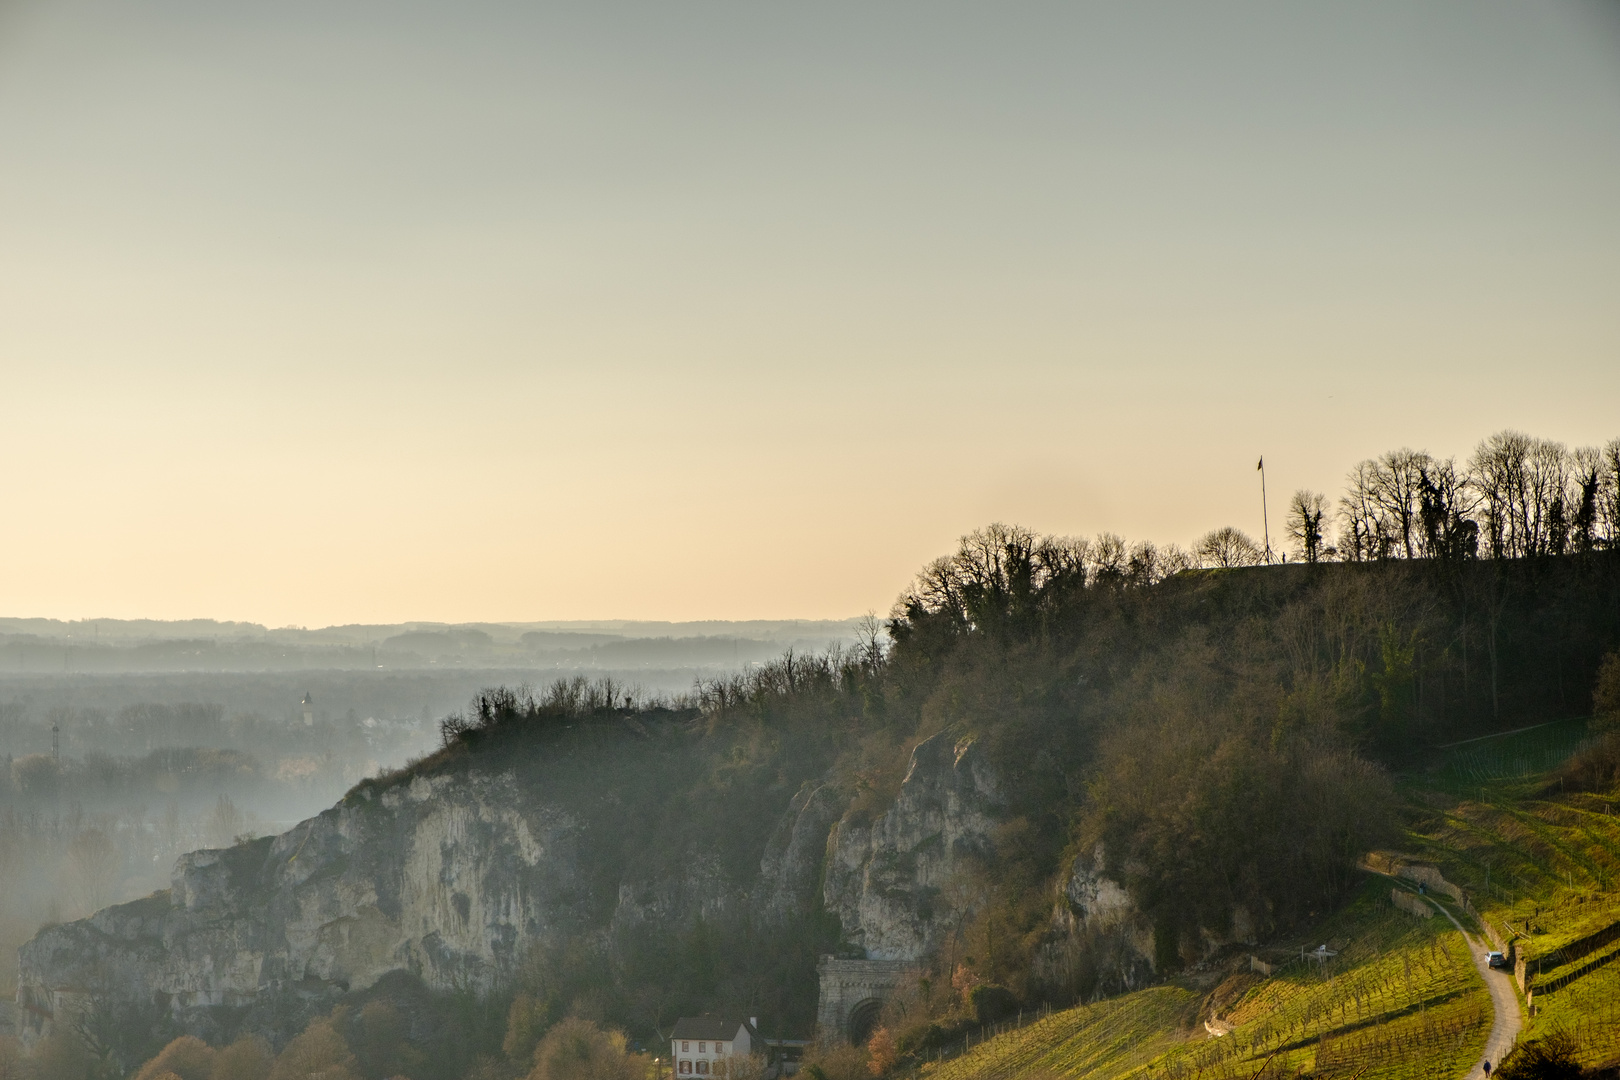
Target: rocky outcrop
[(790, 870), (1100, 940), (894, 880), (445, 878), (1094, 900)]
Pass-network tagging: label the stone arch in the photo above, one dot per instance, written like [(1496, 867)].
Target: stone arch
[(852, 995), (863, 1020)]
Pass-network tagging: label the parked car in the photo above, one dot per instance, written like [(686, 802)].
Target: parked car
[(1496, 960)]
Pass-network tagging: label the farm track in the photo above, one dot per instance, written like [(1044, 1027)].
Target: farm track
[(1507, 1022)]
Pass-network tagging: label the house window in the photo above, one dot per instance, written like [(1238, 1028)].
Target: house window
[(703, 1048), (686, 1066), (685, 1045), (719, 1048), (703, 1066)]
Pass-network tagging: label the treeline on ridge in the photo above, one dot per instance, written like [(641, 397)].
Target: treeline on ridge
[(1216, 736)]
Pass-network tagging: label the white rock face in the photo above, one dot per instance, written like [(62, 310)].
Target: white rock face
[(791, 866), (449, 879), (1100, 939), (891, 881), (1094, 900), (326, 908)]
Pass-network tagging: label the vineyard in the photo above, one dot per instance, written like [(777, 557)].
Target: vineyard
[(1541, 869), (1394, 997), (1400, 999), (1110, 1038)]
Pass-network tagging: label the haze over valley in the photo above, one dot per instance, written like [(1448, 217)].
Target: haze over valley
[(705, 541)]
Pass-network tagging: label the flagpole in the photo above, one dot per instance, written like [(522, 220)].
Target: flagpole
[(1265, 520)]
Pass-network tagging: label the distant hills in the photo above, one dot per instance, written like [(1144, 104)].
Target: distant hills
[(53, 646)]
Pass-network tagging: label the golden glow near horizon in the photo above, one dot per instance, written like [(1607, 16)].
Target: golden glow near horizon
[(327, 313)]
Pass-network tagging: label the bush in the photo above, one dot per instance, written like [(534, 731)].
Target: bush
[(576, 1049), (1606, 695), (1549, 1058), (1594, 767), (248, 1058), (837, 1061), (992, 1002), (187, 1057), (319, 1053)]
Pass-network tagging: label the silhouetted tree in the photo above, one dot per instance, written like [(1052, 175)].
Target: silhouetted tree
[(1226, 547), (1306, 511)]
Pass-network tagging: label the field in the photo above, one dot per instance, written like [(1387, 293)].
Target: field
[(1402, 999)]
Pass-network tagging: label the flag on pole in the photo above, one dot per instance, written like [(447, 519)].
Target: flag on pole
[(1260, 466)]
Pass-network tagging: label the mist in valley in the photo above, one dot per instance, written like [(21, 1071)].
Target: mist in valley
[(1211, 407), (125, 744)]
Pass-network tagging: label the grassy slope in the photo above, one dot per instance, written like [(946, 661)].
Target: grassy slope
[(1402, 999), (1542, 866), (1401, 989)]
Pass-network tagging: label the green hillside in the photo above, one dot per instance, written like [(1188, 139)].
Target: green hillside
[(1402, 997)]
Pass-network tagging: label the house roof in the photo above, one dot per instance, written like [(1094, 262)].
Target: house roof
[(707, 1027)]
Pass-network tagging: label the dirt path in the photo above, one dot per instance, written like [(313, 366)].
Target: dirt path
[(1507, 1022)]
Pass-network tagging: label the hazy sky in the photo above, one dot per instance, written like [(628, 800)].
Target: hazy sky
[(323, 311)]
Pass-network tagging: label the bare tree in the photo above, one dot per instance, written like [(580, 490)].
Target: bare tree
[(1496, 473), (225, 822), (1173, 559), (1399, 480), (1381, 509), (1608, 496), (871, 640), (1448, 531), (1306, 511), (1227, 547), (95, 864), (1523, 486), (1361, 535), (1547, 498)]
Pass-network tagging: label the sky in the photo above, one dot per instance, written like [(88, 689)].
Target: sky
[(343, 311)]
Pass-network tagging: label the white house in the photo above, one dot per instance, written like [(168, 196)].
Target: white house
[(700, 1045)]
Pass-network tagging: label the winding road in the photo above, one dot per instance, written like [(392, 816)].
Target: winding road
[(1507, 1022)]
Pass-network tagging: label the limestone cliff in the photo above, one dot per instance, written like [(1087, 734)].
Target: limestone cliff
[(790, 870), (1100, 939), (445, 878), (893, 882)]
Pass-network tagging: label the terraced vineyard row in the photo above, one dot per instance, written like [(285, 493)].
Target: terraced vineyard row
[(1543, 870), (1401, 993), (1400, 999), (1109, 1038)]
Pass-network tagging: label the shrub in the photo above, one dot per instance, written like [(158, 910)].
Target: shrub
[(1606, 694), (1595, 766), (992, 1002), (837, 1061), (248, 1058), (319, 1053), (1549, 1058), (577, 1049), (187, 1057)]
